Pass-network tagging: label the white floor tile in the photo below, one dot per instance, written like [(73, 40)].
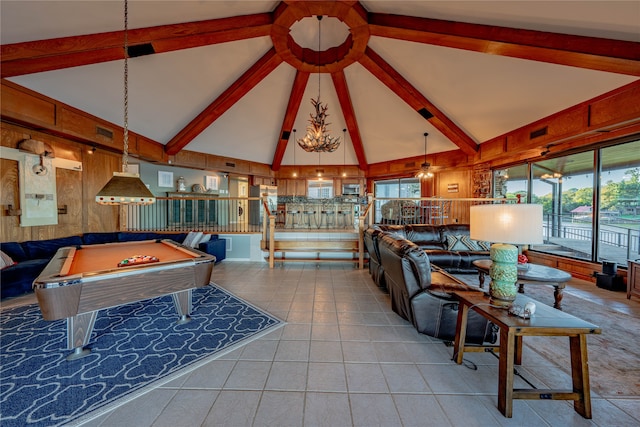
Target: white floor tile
[(327, 410), (346, 359), (280, 409)]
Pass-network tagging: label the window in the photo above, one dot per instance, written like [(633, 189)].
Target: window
[(567, 190), (320, 189), (398, 188), (618, 225), (564, 188), (385, 209), (511, 182)]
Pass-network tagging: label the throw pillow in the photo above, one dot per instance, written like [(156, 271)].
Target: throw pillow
[(205, 239), (462, 243), (5, 260), (192, 239), (484, 246)]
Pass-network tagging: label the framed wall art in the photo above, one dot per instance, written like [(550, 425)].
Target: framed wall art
[(211, 182), (165, 179)]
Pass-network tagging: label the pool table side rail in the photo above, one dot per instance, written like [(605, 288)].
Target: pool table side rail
[(56, 273), (66, 296)]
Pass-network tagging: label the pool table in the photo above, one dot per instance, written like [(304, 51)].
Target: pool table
[(81, 280)]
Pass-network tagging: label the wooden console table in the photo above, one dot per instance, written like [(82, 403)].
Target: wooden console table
[(545, 322)]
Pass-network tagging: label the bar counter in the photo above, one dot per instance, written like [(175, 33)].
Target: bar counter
[(317, 214)]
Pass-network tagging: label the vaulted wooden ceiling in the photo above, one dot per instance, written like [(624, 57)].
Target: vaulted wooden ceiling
[(233, 81)]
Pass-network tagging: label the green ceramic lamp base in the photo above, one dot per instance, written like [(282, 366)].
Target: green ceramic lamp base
[(504, 274)]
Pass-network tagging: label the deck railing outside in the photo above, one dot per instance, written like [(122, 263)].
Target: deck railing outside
[(617, 242)]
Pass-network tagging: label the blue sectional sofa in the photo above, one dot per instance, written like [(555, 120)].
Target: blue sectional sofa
[(31, 257)]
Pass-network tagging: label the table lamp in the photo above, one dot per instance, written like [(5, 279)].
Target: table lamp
[(508, 224)]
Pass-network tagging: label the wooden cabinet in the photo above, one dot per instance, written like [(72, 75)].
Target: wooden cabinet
[(633, 279), (292, 187), (261, 180), (283, 187)]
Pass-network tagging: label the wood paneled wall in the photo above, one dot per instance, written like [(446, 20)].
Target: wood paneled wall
[(461, 177), (27, 114), (75, 189)]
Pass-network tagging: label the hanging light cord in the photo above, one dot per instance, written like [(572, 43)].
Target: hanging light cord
[(425, 147), (344, 151), (125, 154), (319, 38)]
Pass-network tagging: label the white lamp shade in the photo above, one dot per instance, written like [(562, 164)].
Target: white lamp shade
[(518, 224)]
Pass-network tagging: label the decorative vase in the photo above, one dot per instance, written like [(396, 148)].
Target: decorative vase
[(504, 274), (182, 184)]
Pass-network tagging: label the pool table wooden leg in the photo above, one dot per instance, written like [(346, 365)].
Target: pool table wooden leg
[(182, 303), (79, 328)]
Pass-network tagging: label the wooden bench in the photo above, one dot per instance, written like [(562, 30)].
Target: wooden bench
[(314, 246)]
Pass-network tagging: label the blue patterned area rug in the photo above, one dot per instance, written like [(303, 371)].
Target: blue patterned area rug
[(134, 348)]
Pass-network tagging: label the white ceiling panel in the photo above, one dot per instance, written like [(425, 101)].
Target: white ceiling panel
[(250, 128), (488, 95), (485, 95)]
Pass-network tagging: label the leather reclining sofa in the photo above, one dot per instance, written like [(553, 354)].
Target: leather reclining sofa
[(421, 289), (448, 246)]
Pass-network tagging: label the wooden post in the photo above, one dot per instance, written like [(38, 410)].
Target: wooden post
[(361, 242), (272, 232), (264, 224)]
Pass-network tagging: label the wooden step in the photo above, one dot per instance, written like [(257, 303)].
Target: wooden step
[(313, 246), (313, 250), (283, 259)]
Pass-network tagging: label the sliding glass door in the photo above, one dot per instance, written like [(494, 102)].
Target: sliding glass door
[(591, 203), (619, 203), (385, 211), (564, 187)]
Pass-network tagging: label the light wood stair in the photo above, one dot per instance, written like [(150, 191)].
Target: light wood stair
[(312, 250)]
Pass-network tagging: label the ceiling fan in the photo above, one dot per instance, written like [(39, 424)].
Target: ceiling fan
[(426, 170)]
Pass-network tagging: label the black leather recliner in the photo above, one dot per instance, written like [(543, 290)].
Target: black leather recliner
[(370, 237), (422, 296)]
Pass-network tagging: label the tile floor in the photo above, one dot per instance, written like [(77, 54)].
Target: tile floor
[(345, 359)]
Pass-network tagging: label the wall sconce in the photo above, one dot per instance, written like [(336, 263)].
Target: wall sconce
[(92, 149)]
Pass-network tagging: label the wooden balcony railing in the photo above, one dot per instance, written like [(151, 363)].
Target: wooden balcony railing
[(212, 215), (244, 215)]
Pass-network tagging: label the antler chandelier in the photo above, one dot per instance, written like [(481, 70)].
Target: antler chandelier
[(317, 138)]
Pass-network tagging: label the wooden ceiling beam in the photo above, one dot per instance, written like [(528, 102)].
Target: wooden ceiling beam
[(616, 56), (226, 100), (409, 94), (297, 91), (64, 52), (340, 83)]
